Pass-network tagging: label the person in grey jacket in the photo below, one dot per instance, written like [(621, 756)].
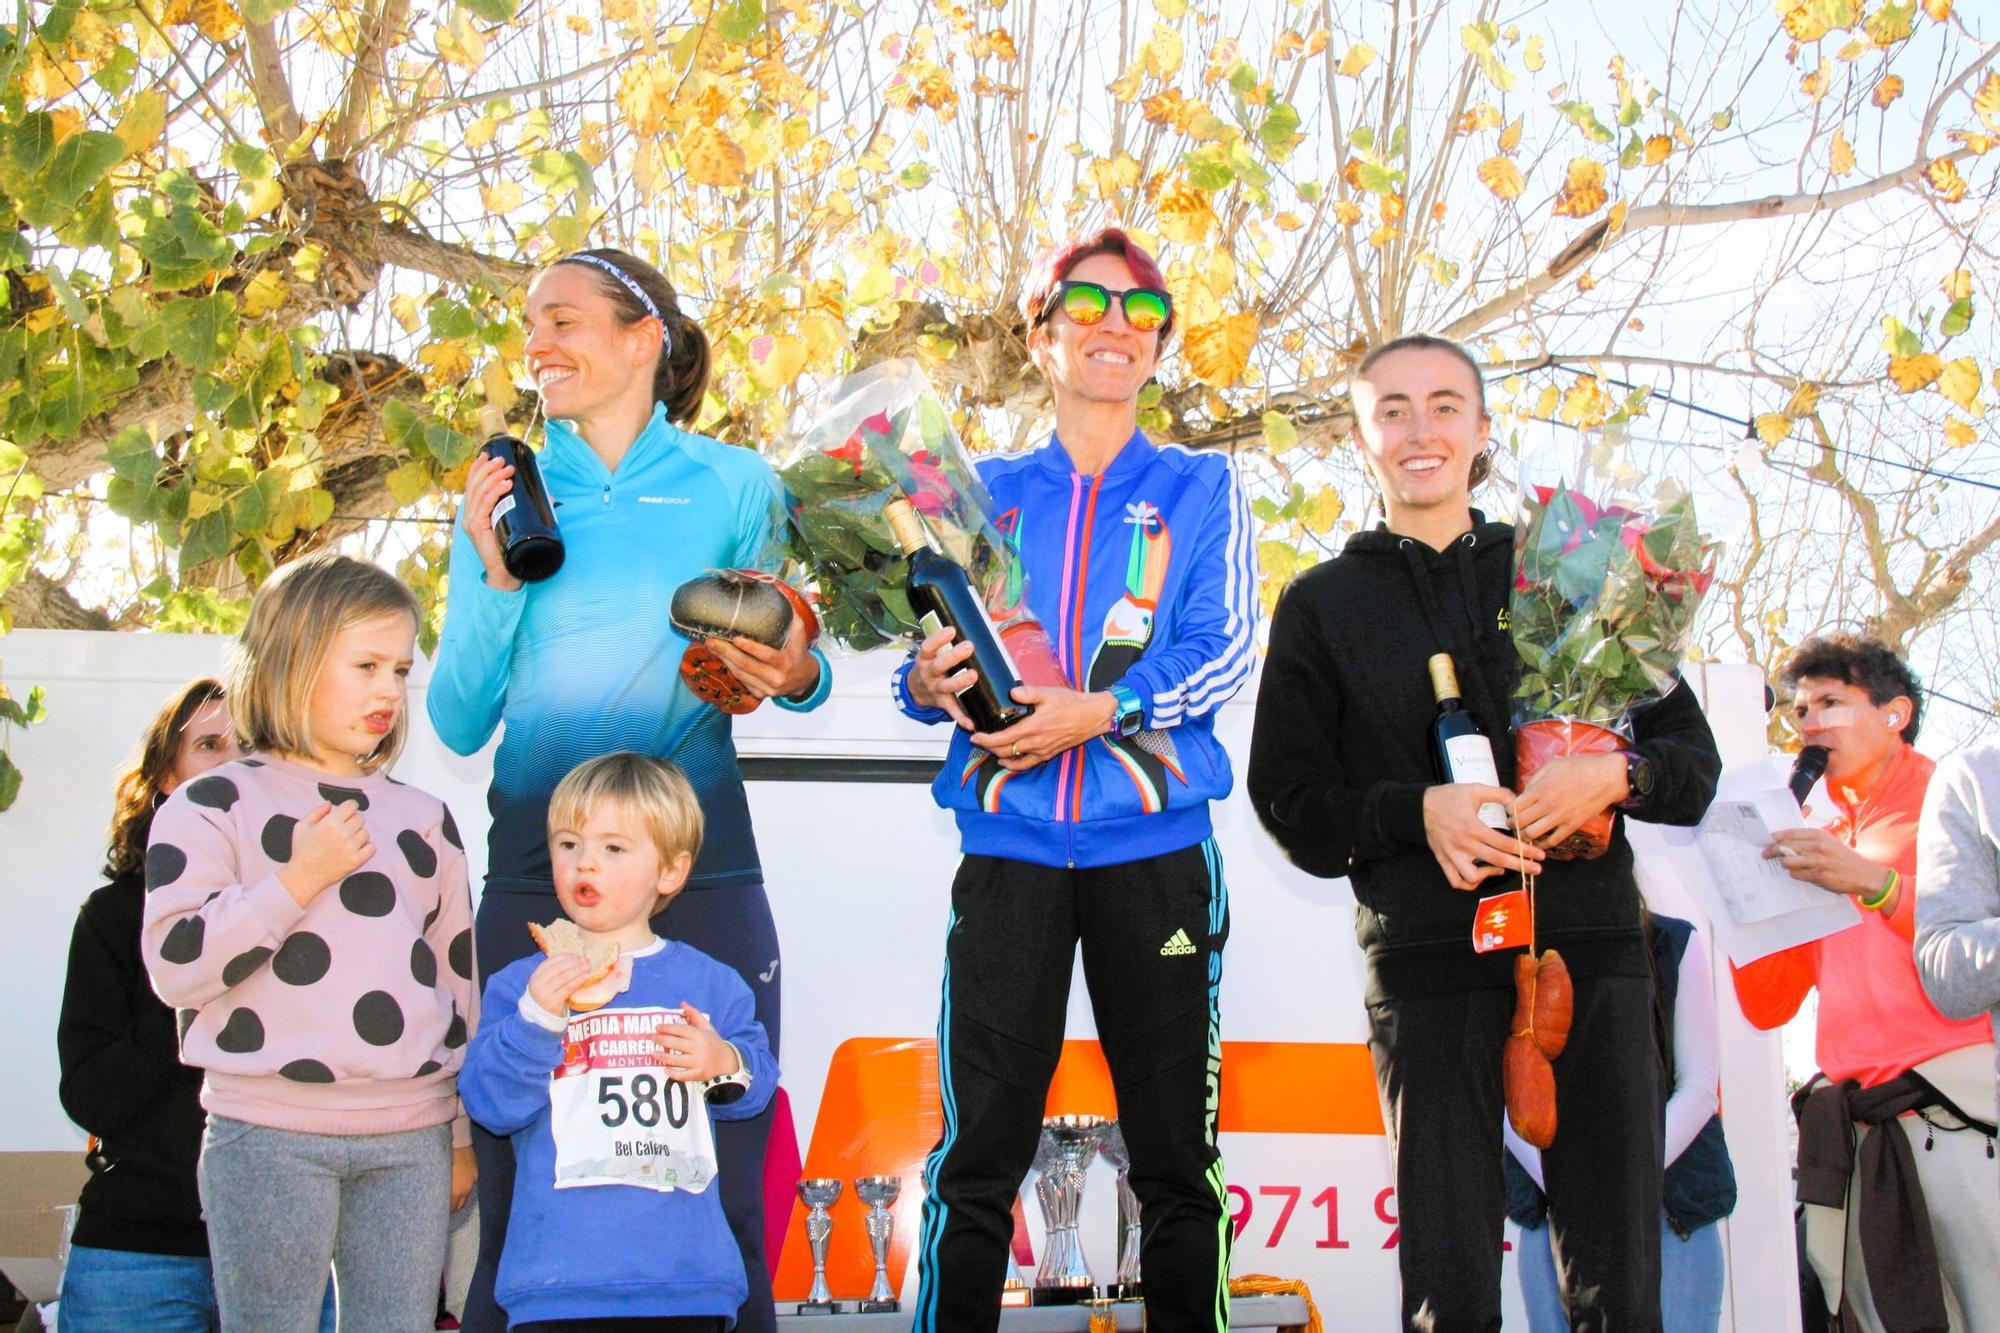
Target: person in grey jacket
[(1958, 885)]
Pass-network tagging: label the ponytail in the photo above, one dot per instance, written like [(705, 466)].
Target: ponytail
[(680, 378)]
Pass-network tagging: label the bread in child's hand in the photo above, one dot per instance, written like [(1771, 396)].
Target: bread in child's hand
[(606, 979)]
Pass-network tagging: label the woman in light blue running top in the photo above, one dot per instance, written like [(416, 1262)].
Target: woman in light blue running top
[(586, 662)]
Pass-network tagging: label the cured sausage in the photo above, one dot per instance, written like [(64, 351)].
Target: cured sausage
[(1543, 1005), (1554, 999), (1531, 1091)]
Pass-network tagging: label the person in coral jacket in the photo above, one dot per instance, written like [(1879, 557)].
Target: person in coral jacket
[(1886, 1055)]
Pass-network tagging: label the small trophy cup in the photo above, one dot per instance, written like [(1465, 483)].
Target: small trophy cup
[(879, 1192), (1125, 1287), (1069, 1142), (818, 1194), (1015, 1290)]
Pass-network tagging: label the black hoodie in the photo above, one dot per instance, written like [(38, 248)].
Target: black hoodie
[(1340, 761), (123, 1080)]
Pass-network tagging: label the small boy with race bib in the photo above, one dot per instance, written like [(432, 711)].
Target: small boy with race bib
[(606, 1073)]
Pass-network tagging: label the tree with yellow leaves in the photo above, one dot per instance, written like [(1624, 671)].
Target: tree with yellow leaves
[(265, 257)]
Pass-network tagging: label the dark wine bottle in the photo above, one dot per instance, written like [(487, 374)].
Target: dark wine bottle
[(1460, 749), (943, 598), (524, 520)]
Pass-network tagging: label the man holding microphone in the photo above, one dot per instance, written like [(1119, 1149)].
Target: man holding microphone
[(1887, 1056)]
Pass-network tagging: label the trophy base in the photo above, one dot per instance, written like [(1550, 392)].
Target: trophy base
[(1066, 1295), (1015, 1297), (1124, 1291), (880, 1307), (819, 1307)]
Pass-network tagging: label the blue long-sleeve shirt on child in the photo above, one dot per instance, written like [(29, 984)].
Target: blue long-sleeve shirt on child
[(607, 1148)]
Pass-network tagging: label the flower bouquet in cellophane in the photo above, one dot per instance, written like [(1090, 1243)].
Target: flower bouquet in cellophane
[(1607, 583), (879, 435)]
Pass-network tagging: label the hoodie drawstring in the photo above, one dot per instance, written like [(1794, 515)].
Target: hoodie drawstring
[(1463, 644)]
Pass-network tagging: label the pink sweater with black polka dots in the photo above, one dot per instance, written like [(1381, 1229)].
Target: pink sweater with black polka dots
[(347, 1016)]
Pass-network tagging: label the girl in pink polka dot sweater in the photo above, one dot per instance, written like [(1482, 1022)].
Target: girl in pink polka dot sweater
[(311, 918)]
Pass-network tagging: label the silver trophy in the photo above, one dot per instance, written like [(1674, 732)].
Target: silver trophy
[(1069, 1143), (1125, 1287), (879, 1192), (818, 1194), (1014, 1289)]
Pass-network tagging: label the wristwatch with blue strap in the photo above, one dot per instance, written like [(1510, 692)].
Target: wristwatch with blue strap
[(1128, 719)]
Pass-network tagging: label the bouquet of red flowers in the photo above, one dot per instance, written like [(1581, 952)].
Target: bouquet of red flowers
[(1604, 603), (878, 435)]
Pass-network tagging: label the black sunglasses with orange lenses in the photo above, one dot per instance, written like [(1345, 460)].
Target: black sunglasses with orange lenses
[(1087, 303)]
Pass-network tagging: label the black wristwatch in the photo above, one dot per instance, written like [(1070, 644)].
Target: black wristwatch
[(727, 1088), (1639, 778)]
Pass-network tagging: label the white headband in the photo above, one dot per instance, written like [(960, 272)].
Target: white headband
[(638, 292)]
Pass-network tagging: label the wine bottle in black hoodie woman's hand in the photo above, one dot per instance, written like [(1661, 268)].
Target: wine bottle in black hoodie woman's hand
[(1460, 749)]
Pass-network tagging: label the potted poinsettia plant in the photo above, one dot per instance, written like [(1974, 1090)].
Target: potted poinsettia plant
[(883, 434), (1606, 589)]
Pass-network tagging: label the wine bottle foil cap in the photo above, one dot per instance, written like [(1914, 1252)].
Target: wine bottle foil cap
[(1444, 677), (905, 526)]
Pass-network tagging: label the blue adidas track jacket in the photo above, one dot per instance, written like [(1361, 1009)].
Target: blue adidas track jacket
[(1144, 575)]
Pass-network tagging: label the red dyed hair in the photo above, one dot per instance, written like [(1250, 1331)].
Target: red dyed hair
[(1057, 261)]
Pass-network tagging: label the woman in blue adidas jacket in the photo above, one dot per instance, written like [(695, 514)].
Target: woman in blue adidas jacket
[(1089, 820), (587, 662)]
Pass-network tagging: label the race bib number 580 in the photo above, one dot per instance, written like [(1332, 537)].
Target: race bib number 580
[(618, 1118)]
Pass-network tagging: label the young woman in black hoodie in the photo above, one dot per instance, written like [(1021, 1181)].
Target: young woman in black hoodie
[(139, 1254), (1341, 776)]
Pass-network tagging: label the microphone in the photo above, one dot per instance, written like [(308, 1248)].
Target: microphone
[(1807, 769)]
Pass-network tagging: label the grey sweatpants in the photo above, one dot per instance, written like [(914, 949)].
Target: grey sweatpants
[(1959, 1194), (281, 1205)]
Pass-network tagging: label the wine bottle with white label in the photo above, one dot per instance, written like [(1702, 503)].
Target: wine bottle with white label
[(943, 598), (523, 520), (1459, 745)]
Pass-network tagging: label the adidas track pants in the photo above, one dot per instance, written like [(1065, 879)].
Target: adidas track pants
[(1152, 933)]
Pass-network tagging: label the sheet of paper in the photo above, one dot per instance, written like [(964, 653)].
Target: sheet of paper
[(1802, 912), (1732, 839)]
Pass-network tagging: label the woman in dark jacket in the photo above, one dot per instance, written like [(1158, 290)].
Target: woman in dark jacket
[(1340, 775), (139, 1255)]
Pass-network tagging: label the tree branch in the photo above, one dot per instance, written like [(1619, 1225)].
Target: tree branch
[(1549, 360), (39, 602), (1599, 238), (163, 393), (379, 30), (1935, 593), (282, 125), (408, 248)]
